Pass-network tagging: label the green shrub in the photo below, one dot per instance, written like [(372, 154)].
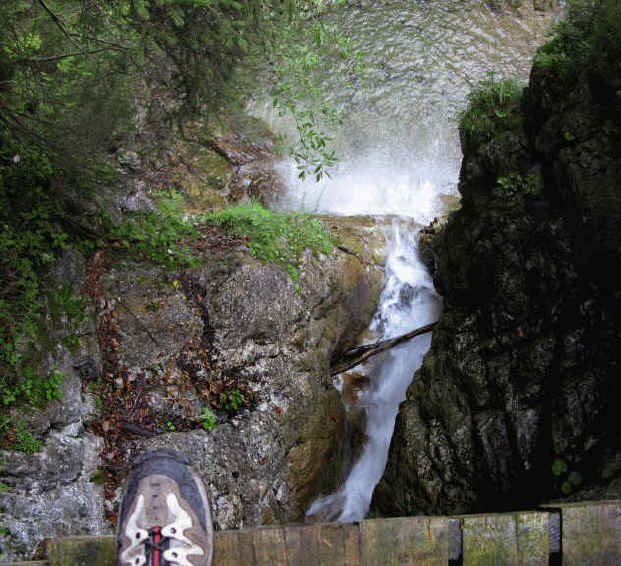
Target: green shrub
[(208, 420), (559, 467), (589, 37), (33, 389), (234, 400), (514, 183), (493, 107), (156, 237), (15, 436), (31, 239), (280, 238), (25, 442)]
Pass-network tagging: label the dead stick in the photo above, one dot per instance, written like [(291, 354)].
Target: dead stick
[(357, 355)]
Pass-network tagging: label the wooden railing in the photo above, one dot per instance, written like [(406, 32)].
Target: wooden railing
[(578, 534)]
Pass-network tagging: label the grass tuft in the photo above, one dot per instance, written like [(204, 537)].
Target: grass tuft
[(493, 107), (279, 238)]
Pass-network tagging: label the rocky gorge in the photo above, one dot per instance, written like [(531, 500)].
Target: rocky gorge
[(516, 402), (229, 361), (234, 336)]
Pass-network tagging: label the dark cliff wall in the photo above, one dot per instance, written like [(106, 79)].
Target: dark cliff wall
[(518, 399)]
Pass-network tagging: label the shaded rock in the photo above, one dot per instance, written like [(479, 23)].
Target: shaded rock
[(523, 365)]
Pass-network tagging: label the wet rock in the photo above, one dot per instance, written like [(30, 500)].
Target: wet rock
[(153, 318), (266, 460), (163, 346), (524, 361)]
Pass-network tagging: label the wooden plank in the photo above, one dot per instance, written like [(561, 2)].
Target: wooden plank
[(591, 533), (533, 538), (327, 544), (232, 548), (413, 541), (489, 540), (82, 551), (269, 546), (520, 539)]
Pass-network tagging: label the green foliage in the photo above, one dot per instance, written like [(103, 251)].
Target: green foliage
[(61, 93), (559, 467), (280, 238), (566, 481), (493, 107), (4, 488), (98, 477), (234, 400), (29, 240), (515, 183), (213, 49), (156, 237), (301, 47), (71, 76), (15, 436), (573, 481), (33, 233), (208, 420), (33, 389), (588, 38), (25, 442)]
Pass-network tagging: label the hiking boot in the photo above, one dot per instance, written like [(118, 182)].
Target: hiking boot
[(164, 518)]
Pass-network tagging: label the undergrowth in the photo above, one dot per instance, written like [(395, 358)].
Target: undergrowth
[(515, 183), (32, 237), (15, 436), (31, 310), (280, 238), (158, 236), (589, 37), (493, 107)]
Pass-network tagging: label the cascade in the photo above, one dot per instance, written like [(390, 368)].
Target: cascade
[(400, 158)]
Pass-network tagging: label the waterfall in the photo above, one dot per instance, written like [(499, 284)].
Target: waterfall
[(408, 301), (400, 156)]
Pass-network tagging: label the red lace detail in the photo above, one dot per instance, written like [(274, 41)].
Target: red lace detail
[(156, 550)]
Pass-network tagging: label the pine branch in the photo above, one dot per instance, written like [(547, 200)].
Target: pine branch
[(60, 57), (99, 40), (58, 23)]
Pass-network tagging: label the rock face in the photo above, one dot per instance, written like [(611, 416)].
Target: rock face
[(53, 492), (267, 461), (517, 399), (234, 336)]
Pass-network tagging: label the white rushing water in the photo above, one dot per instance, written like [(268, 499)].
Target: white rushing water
[(379, 184), (400, 156), (408, 301)]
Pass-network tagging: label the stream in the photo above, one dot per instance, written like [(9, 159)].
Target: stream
[(400, 157)]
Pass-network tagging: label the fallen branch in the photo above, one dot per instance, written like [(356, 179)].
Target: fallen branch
[(355, 356)]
